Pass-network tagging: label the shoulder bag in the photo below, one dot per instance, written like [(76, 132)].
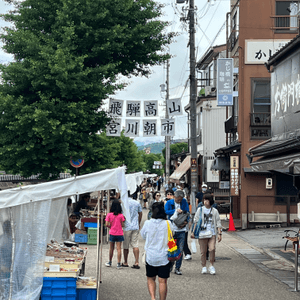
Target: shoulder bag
[(173, 252), (181, 218)]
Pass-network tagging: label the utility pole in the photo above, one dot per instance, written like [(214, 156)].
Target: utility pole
[(167, 138), (193, 99)]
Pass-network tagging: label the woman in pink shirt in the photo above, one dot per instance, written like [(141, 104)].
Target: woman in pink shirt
[(115, 221)]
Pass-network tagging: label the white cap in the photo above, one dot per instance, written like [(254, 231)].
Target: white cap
[(204, 185)]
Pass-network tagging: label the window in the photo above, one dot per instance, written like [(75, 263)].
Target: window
[(261, 109), (261, 96), (286, 12)]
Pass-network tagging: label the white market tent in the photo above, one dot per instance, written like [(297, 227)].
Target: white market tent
[(31, 216)]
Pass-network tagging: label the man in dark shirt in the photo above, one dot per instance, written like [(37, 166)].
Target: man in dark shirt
[(200, 194)]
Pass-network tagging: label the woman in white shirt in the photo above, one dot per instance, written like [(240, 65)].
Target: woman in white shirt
[(211, 223), (155, 232)]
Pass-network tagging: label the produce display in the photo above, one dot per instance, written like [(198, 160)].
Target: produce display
[(63, 261), (86, 282)]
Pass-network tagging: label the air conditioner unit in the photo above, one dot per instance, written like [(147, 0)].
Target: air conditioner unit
[(210, 90)]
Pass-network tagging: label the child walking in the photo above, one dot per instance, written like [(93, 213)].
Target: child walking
[(115, 221)]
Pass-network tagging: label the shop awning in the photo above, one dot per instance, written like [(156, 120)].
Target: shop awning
[(182, 169), (251, 171), (278, 163), (227, 149)]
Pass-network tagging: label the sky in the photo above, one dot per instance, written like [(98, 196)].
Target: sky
[(211, 15)]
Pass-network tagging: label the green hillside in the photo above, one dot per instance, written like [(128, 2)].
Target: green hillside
[(156, 148)]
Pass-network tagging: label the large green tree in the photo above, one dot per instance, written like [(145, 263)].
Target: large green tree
[(176, 148), (149, 160), (68, 56)]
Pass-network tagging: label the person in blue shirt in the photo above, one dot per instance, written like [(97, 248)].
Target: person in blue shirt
[(173, 207)]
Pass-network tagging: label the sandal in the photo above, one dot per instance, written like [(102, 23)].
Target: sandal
[(125, 266), (135, 267)]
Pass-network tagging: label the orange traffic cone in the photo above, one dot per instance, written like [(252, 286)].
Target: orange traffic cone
[(231, 223)]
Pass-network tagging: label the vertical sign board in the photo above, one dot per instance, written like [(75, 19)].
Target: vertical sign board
[(234, 175), (194, 172), (225, 81)]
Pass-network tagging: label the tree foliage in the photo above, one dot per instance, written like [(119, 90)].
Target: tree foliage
[(68, 55), (176, 148), (149, 161)]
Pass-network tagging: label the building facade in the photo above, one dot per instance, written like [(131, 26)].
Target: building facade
[(256, 29), (210, 121)]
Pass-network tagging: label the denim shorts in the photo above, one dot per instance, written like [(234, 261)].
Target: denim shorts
[(116, 238)]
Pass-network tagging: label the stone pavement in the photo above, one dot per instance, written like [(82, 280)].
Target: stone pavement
[(244, 272), (266, 250)]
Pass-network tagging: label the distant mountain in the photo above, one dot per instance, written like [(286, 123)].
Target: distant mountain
[(156, 148), (138, 143)]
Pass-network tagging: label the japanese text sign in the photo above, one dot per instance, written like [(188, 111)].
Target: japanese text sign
[(133, 109), (167, 127), (225, 81), (174, 107), (132, 128), (113, 128), (234, 175), (115, 107), (259, 51), (151, 108), (149, 128)]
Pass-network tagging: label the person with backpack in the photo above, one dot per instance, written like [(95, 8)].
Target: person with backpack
[(115, 220)]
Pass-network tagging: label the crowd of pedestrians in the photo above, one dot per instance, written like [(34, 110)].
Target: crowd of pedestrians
[(169, 209)]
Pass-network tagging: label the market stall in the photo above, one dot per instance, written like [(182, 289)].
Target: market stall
[(32, 216)]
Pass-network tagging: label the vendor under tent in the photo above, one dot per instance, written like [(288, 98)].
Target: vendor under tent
[(31, 216)]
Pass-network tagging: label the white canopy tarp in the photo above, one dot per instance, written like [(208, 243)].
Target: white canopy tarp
[(28, 216), (133, 180)]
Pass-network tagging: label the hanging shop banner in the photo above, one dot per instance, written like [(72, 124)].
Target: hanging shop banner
[(113, 128), (115, 107), (224, 81), (151, 108), (234, 175), (132, 128), (167, 127), (174, 107), (149, 128), (133, 108)]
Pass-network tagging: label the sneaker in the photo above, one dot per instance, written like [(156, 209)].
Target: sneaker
[(119, 266), (178, 272), (108, 264), (212, 270), (188, 257), (204, 270)]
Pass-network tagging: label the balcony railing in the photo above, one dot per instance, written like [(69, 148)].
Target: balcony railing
[(231, 124), (260, 119), (232, 40), (286, 23)]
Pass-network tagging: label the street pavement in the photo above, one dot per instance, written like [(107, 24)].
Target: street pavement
[(246, 268)]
